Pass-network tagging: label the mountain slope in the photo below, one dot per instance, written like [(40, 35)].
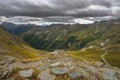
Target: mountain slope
[(18, 28), (104, 34), (11, 45), (74, 37), (53, 37), (110, 34), (100, 35)]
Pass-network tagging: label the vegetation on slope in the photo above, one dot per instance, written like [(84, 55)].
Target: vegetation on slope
[(94, 54), (11, 45), (76, 37), (73, 37), (59, 37)]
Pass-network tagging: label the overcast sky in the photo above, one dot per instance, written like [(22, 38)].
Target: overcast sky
[(79, 8), (72, 8)]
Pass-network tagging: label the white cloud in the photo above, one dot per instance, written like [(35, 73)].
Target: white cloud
[(97, 7), (83, 21), (52, 20)]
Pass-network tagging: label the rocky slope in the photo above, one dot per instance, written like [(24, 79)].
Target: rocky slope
[(57, 65)]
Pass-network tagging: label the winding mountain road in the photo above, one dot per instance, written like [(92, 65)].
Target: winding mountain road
[(106, 52)]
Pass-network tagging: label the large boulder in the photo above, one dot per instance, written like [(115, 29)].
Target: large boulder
[(59, 70), (56, 64), (75, 74), (45, 75), (109, 74), (26, 73), (43, 67)]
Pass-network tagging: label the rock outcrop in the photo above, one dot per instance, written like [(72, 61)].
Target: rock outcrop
[(63, 67), (26, 73)]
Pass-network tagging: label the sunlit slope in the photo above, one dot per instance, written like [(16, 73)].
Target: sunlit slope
[(94, 54), (11, 45)]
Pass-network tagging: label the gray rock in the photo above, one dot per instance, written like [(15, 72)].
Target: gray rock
[(26, 73), (56, 64), (56, 52), (109, 74), (43, 67), (69, 63), (75, 74), (72, 67), (2, 62), (45, 61), (45, 75), (98, 64), (60, 70), (10, 60)]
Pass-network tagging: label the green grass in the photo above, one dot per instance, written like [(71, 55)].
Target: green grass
[(89, 54), (10, 45), (113, 59), (95, 55)]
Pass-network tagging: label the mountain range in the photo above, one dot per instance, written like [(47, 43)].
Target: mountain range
[(60, 52), (74, 37), (18, 28), (19, 41)]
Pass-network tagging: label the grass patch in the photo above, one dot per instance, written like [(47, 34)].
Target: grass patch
[(113, 59), (88, 54), (95, 55)]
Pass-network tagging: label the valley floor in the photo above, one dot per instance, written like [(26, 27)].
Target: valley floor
[(57, 65)]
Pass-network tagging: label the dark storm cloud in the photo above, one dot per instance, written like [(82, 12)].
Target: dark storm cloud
[(43, 8)]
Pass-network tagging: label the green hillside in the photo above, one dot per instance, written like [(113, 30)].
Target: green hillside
[(73, 37), (76, 37), (12, 46)]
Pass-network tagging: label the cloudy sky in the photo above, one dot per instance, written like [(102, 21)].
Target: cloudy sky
[(61, 10)]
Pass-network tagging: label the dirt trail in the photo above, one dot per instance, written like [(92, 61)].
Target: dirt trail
[(105, 61)]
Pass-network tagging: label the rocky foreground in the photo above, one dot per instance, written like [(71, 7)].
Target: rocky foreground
[(57, 67)]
